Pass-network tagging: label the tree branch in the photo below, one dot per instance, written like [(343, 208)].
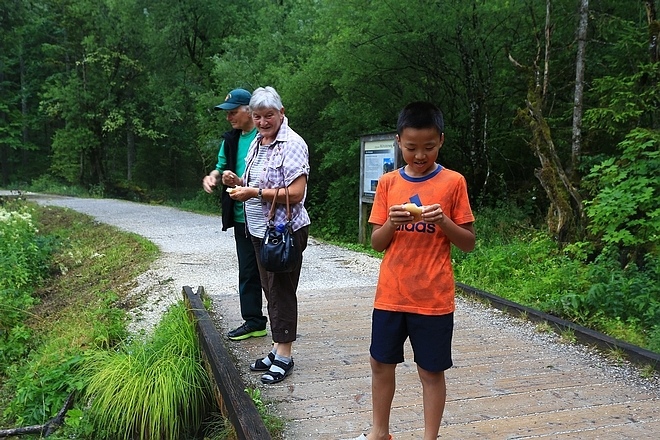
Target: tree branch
[(46, 429)]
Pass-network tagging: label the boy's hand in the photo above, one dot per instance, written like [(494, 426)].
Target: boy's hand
[(399, 215), (415, 210), (433, 214)]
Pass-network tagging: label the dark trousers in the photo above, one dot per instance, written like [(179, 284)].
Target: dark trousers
[(280, 290), (249, 280)]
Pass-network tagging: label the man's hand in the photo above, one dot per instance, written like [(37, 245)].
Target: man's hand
[(211, 181)]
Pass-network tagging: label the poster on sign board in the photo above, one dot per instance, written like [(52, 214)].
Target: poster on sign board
[(378, 158)]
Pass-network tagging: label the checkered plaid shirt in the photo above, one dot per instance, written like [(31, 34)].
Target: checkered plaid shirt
[(287, 158)]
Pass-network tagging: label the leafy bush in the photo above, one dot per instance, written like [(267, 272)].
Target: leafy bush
[(22, 260), (200, 201), (531, 270), (624, 212), (23, 263), (654, 339), (624, 294), (78, 309), (42, 381), (501, 225), (46, 183), (42, 385)]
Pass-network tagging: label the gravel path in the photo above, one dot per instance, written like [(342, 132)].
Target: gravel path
[(196, 252), (508, 381)]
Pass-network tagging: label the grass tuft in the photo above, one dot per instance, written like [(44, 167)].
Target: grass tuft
[(156, 388)]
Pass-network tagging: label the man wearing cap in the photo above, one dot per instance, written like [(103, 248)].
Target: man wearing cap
[(230, 166)]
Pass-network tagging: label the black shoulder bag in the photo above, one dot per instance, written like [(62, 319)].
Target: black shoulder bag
[(278, 249)]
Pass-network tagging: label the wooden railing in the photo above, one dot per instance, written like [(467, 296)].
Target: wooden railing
[(229, 389)]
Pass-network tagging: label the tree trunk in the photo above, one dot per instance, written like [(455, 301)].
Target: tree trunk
[(25, 132), (565, 213), (654, 30), (654, 44), (477, 91), (576, 148), (479, 159), (130, 152), (565, 217), (4, 147), (4, 157)]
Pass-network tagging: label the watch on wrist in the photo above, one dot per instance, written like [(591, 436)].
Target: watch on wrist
[(260, 193)]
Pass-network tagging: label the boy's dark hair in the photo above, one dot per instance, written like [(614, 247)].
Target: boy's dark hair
[(420, 114)]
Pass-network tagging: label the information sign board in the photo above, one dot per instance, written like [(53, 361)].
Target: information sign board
[(378, 156)]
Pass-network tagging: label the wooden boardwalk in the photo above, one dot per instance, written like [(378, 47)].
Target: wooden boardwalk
[(508, 380)]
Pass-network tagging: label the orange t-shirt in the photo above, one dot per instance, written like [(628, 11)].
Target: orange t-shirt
[(416, 274)]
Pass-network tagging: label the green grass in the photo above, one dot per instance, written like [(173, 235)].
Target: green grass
[(79, 309), (157, 387), (199, 201), (193, 200), (48, 184), (275, 425)]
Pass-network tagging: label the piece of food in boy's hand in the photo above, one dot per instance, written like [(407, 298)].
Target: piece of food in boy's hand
[(231, 190), (415, 210)]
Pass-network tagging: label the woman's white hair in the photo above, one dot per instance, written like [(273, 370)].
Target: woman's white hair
[(265, 97)]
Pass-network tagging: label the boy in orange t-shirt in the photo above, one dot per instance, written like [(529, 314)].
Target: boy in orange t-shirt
[(415, 291)]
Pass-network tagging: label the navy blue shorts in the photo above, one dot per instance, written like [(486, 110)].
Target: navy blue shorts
[(430, 337)]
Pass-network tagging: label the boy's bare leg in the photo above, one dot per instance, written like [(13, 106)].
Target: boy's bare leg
[(383, 384), (434, 392)]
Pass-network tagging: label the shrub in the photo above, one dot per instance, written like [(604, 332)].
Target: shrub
[(42, 385), (624, 213), (201, 201), (47, 183), (626, 293), (23, 263)]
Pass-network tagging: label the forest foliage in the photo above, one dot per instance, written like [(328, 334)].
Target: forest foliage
[(117, 95)]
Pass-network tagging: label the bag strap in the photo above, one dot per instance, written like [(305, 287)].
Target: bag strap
[(271, 213)]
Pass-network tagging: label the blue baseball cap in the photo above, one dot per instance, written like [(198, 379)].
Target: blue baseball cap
[(235, 98)]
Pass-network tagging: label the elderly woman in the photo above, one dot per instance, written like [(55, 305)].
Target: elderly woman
[(278, 158)]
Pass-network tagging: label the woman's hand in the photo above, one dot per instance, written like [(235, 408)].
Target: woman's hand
[(243, 193), (230, 178)]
